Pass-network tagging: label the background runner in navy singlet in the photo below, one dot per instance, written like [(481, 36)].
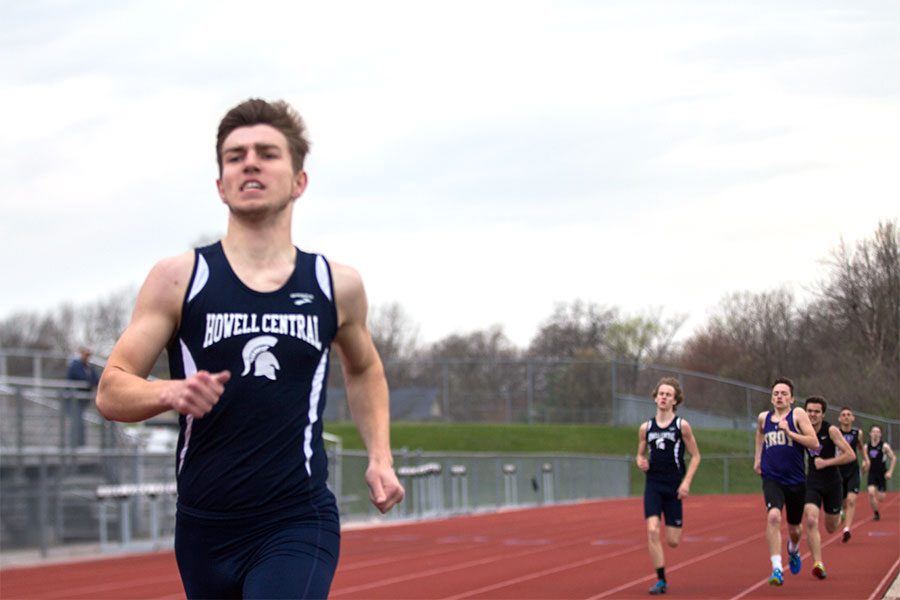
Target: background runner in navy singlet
[(666, 436)]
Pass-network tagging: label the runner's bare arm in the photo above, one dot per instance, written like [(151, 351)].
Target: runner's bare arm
[(124, 393), (845, 455), (889, 472), (757, 454), (806, 435), (641, 458), (690, 444), (367, 389)]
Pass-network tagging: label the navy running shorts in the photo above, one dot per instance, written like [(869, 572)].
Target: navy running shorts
[(661, 498), (290, 553)]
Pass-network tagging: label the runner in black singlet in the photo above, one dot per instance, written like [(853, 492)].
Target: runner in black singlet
[(823, 480), (850, 471), (878, 452)]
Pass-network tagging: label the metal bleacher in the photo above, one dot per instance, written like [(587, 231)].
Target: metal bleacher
[(48, 480)]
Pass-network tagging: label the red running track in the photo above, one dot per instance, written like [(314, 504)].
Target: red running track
[(583, 551)]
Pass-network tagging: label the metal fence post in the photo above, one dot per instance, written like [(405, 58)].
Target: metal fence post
[(139, 501), (125, 521), (64, 400), (529, 391), (459, 488), (510, 489), (725, 472), (42, 505), (612, 363), (104, 532), (435, 488), (20, 421), (508, 405), (63, 466), (37, 364), (547, 481), (154, 520), (750, 417), (406, 480), (445, 387)]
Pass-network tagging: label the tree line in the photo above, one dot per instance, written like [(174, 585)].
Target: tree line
[(842, 341)]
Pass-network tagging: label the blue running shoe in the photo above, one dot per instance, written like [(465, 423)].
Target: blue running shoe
[(777, 578), (659, 588), (795, 562)]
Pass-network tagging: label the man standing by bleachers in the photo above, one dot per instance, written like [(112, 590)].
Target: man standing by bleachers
[(80, 369)]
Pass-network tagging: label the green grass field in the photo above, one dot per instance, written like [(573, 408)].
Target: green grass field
[(574, 439), (569, 439)]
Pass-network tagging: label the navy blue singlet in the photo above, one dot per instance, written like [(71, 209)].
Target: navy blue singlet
[(261, 446), (666, 451), (782, 459)]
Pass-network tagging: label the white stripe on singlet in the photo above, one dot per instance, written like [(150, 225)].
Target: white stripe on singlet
[(200, 278), (315, 396), (190, 368), (323, 276), (678, 443)]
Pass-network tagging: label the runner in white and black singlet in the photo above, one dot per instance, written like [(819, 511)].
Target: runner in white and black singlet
[(249, 324), (823, 480), (850, 482), (878, 452), (782, 434), (666, 436)]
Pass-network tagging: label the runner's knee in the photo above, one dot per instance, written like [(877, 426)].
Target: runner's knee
[(673, 537)]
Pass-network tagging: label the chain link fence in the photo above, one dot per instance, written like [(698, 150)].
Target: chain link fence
[(49, 485), (573, 391)]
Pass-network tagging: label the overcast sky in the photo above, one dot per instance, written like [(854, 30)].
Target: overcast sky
[(477, 162)]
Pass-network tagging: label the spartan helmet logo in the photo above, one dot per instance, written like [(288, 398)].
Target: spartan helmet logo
[(256, 353)]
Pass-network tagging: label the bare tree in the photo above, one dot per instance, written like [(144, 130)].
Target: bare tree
[(575, 328), (862, 296), (647, 337), (479, 375), (95, 324), (752, 336), (843, 344), (395, 334), (37, 330), (396, 337), (856, 322)]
